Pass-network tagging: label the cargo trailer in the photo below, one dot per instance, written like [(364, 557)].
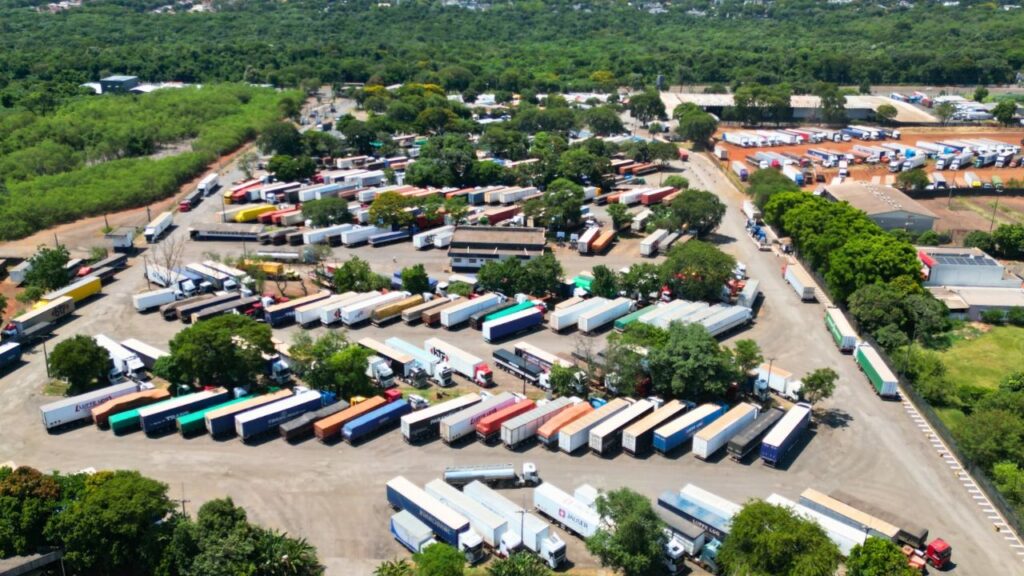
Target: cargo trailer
[(162, 416), (606, 437), (440, 373), (194, 423), (596, 318), (450, 527), (330, 427), (522, 428), (154, 299), (507, 310), (170, 310), (909, 534), (49, 313), (547, 434), (386, 238), (714, 436), (534, 533), (472, 368), (359, 235), (785, 434), (78, 290), (155, 229), (840, 329), (124, 361), (540, 358), (488, 428), (454, 316), (425, 424), (586, 239), (426, 239), (559, 320), (102, 413), (508, 326), (216, 278), (433, 315), (679, 431), (331, 310), (839, 511), (877, 372), (492, 475), (748, 296), (10, 354), (221, 422), (187, 311), (410, 532), (518, 367), (800, 281), (477, 319), (567, 511), (226, 233), (252, 423), (844, 536), (375, 422), (302, 427), (725, 320), (239, 306), (637, 438), (462, 424), (628, 319), (751, 435), (146, 353), (779, 381), (576, 435), (414, 315), (649, 245), (283, 313), (310, 313), (393, 310), (489, 525)]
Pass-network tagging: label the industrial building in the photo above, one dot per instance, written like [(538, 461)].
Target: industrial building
[(802, 107), (473, 246), (118, 84), (886, 206), (969, 281)]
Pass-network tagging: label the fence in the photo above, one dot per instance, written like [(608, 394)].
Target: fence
[(958, 192)]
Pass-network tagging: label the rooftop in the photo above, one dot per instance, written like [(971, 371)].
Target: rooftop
[(119, 78), (495, 235), (961, 297), (876, 199), (955, 256)]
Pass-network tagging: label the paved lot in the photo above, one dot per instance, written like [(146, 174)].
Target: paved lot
[(334, 496)]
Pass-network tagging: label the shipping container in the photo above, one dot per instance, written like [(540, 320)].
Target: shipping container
[(283, 313), (566, 510), (596, 318), (414, 315), (489, 525), (268, 417), (714, 436), (161, 417), (194, 423), (800, 281), (330, 312), (392, 311), (628, 319), (330, 427), (840, 329), (523, 427), (371, 423), (302, 427), (679, 431), (606, 437), (102, 413), (488, 428), (534, 533), (425, 424), (603, 242), (576, 435), (877, 372), (751, 436), (78, 290), (78, 408), (547, 434), (561, 319), (637, 439), (785, 434), (462, 424), (508, 326)]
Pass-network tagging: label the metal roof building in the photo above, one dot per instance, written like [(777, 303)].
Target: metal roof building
[(472, 246), (885, 205)]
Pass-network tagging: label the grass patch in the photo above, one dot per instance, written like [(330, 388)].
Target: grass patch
[(983, 359), (951, 417), (55, 388)]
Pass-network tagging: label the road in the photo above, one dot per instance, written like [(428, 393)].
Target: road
[(334, 495)]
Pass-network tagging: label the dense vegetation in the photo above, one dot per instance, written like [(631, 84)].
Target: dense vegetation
[(96, 155)]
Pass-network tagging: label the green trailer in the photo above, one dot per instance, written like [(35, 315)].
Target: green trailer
[(878, 373), (840, 329), (583, 282), (511, 310), (194, 424), (124, 422), (628, 319)]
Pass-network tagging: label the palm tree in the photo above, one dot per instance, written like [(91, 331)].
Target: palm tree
[(394, 568)]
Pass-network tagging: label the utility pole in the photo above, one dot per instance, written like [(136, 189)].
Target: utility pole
[(183, 500)]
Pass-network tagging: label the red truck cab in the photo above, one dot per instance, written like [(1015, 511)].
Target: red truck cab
[(938, 553)]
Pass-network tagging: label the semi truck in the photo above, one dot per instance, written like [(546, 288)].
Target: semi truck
[(397, 361), (155, 229), (561, 319), (330, 311), (534, 533), (547, 434), (522, 428), (411, 532), (840, 329), (489, 525), (154, 299), (329, 428), (596, 318), (448, 525), (877, 372), (102, 413), (146, 353), (488, 428), (432, 366), (302, 427), (751, 436), (466, 364), (517, 323), (493, 475), (566, 511), (353, 314), (800, 281), (39, 321), (221, 422), (162, 416), (76, 409), (637, 438), (252, 423), (576, 434), (78, 290), (123, 361), (776, 379), (365, 426), (462, 424), (454, 316), (714, 437), (677, 432), (784, 435), (606, 437), (425, 424), (218, 279), (283, 313)]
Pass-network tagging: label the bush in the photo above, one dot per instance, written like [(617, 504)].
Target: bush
[(994, 317), (1015, 316)]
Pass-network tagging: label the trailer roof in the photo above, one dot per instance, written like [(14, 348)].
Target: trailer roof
[(687, 419), (556, 405), (463, 504), (622, 418), (430, 505), (277, 406), (178, 402), (659, 416), (595, 417), (89, 396), (849, 512), (787, 424), (460, 403), (737, 412)]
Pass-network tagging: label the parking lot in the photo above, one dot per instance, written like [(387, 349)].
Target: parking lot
[(334, 496)]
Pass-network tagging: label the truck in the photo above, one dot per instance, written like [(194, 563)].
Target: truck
[(674, 434), (146, 353), (637, 438), (534, 533), (489, 525), (161, 417), (425, 424), (302, 426), (331, 308), (523, 427), (504, 327), (102, 413), (393, 310), (123, 361), (194, 423), (600, 316), (493, 475), (566, 511), (10, 354), (221, 422), (218, 279), (414, 315), (425, 239), (244, 305), (726, 319), (78, 408), (547, 434), (454, 316), (361, 311), (379, 371), (154, 299), (283, 313), (878, 373), (78, 290), (477, 319), (252, 423), (714, 437), (187, 311), (471, 367), (740, 170), (370, 423), (518, 367), (158, 226), (800, 281), (559, 320), (450, 527), (916, 161), (706, 510), (488, 428), (840, 329), (431, 365), (784, 435), (649, 245), (462, 424), (329, 428), (751, 435), (606, 437), (576, 434), (40, 320), (411, 532), (844, 536)]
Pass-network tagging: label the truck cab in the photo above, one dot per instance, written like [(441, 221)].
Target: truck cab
[(380, 372), (674, 554), (471, 545), (938, 553)]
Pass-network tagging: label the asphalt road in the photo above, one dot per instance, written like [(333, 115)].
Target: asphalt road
[(334, 495)]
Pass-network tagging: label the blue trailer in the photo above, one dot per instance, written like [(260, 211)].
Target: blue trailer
[(679, 431), (389, 237), (375, 421), (475, 198), (690, 509), (501, 328), (252, 423), (785, 434), (10, 354), (448, 525), (163, 416)]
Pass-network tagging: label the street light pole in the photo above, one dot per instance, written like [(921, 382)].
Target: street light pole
[(995, 207)]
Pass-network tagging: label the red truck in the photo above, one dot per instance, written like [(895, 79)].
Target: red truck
[(488, 429)]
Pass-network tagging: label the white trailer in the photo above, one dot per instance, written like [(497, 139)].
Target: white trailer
[(586, 239), (360, 234), (800, 281), (331, 313), (148, 354), (559, 320), (607, 436), (425, 424), (751, 211), (310, 313), (534, 533), (727, 319), (461, 424), (455, 315), (473, 368), (489, 525), (844, 536), (124, 361), (352, 314), (566, 511), (631, 197), (158, 226), (716, 435), (674, 311), (411, 532), (640, 220), (320, 235), (162, 276), (443, 239), (209, 184), (649, 245), (426, 239), (218, 279), (596, 318), (78, 408), (521, 428), (154, 299), (779, 381), (576, 434)]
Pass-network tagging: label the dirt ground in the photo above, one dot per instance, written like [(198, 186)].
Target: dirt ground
[(960, 215)]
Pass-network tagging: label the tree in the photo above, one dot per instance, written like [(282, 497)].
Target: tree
[(344, 373), (691, 364), (400, 567), (620, 215), (504, 142), (456, 208), (877, 557), (646, 106), (676, 181), (604, 121), (47, 271), (563, 380), (763, 184), (389, 209), (415, 279), (819, 385), (222, 351), (82, 362), (696, 125), (290, 169), (635, 545), (990, 436), (980, 94), (886, 113), (945, 111), (563, 202), (518, 564), (439, 560), (832, 103), (542, 275), (247, 163), (355, 275), (327, 211), (641, 280), (699, 211), (979, 239), (1005, 111), (582, 166), (606, 283), (280, 138), (28, 499), (869, 260), (625, 366), (912, 180), (697, 270), (766, 540), (113, 528), (747, 355)]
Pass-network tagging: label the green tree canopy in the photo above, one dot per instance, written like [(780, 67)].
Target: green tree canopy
[(389, 209), (605, 284), (620, 215), (82, 362), (355, 275), (767, 540), (698, 211), (634, 546), (439, 560), (327, 211), (877, 557), (518, 564), (697, 270), (691, 364), (415, 279), (47, 271), (222, 351)]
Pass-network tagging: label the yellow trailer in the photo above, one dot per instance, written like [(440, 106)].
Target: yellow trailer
[(271, 269), (394, 310), (250, 214), (78, 291)]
